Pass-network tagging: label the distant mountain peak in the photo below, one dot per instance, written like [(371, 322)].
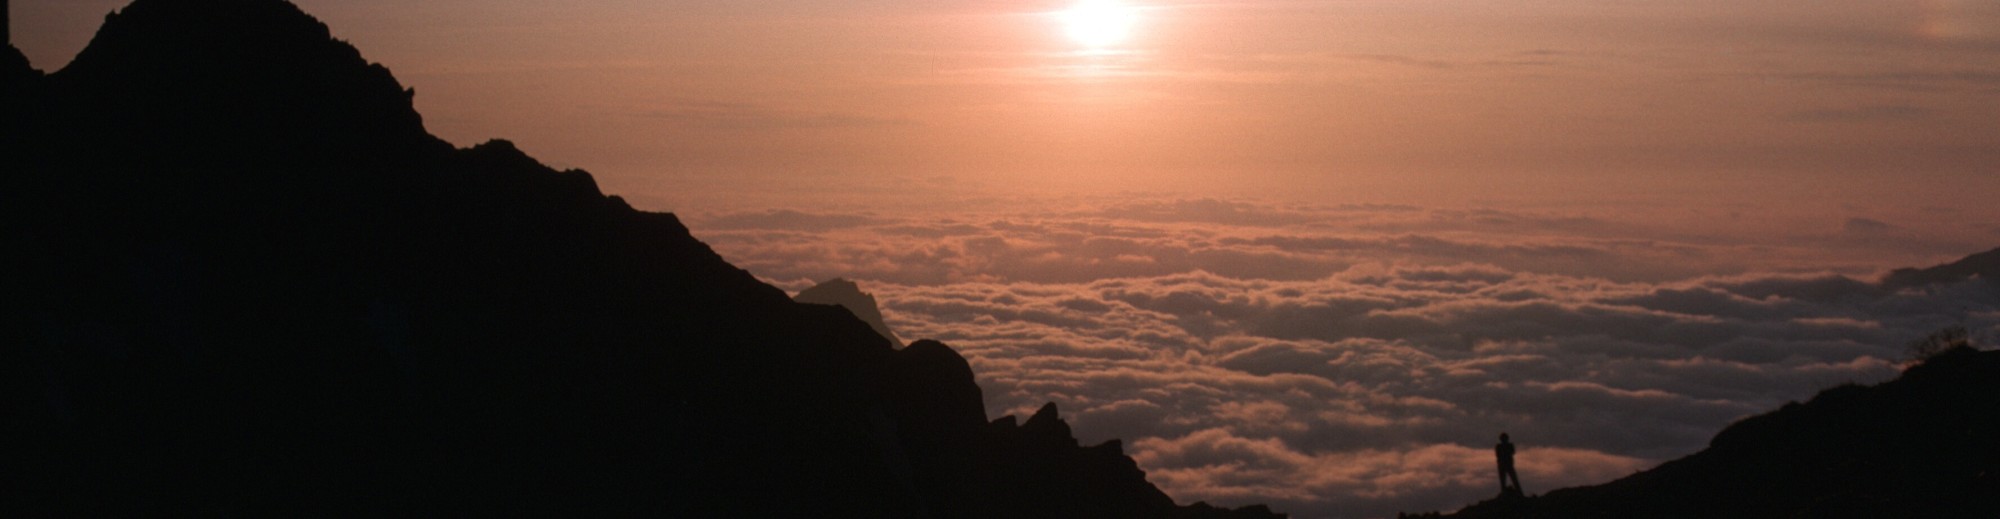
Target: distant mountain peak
[(848, 294)]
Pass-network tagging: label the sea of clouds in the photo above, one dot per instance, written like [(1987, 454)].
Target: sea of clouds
[(1360, 360)]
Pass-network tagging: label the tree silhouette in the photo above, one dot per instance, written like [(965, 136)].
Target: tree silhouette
[(1945, 339)]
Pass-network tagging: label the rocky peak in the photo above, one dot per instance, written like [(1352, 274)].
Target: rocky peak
[(1048, 427), (262, 73), (936, 386)]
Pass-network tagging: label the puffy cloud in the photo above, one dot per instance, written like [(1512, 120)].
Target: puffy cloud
[(1355, 361)]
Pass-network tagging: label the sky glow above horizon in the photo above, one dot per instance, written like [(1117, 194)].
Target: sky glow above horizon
[(1309, 253), (1434, 100)]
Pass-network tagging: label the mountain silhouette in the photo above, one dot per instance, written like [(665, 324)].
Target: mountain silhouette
[(243, 279), (1983, 266), (15, 69), (847, 294), (1924, 445)]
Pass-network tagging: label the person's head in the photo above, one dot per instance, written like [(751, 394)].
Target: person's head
[(1503, 437)]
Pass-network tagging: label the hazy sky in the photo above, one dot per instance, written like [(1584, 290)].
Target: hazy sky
[(1310, 253), (1349, 99)]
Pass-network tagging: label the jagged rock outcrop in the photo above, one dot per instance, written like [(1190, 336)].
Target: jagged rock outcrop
[(1924, 445), (243, 280), (847, 294), (1006, 468)]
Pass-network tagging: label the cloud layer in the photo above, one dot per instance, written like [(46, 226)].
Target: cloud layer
[(1356, 361)]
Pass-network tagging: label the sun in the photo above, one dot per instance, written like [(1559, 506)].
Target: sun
[(1099, 23)]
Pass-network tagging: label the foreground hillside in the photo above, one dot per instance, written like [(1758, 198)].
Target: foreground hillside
[(244, 280), (1924, 445)]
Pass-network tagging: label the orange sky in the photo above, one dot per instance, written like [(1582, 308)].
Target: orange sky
[(1394, 99)]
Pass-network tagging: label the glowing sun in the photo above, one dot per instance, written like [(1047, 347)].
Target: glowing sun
[(1099, 23)]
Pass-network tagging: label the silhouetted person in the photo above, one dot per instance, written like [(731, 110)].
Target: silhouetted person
[(1504, 451)]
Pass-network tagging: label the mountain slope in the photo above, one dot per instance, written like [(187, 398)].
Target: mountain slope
[(1984, 265), (1924, 445), (244, 280)]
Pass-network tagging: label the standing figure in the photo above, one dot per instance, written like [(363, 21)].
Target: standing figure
[(1505, 452)]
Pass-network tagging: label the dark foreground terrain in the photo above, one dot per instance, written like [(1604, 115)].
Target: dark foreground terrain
[(1926, 445), (242, 279)]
